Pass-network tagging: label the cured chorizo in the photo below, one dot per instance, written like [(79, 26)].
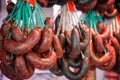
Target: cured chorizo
[(75, 76), (75, 47), (62, 40), (22, 47), (102, 60), (24, 71), (86, 36), (111, 63), (46, 41), (42, 63), (57, 46), (98, 43), (9, 71), (5, 29), (17, 34), (106, 33), (100, 27), (49, 23)]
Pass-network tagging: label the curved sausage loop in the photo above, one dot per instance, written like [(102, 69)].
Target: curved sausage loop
[(23, 47), (23, 70), (111, 63), (75, 47), (57, 46), (86, 39), (46, 40), (102, 60), (62, 40), (17, 34), (74, 76), (9, 72), (42, 63)]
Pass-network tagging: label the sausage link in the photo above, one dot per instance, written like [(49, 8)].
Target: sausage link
[(22, 47), (57, 46), (46, 40), (116, 35), (9, 71), (42, 63), (22, 68), (62, 40), (75, 47), (17, 34), (102, 60), (111, 63), (74, 76)]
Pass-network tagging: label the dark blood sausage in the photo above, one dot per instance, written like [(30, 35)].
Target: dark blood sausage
[(98, 43), (106, 33), (46, 40), (56, 69), (9, 71), (102, 60), (116, 45), (17, 34), (68, 38), (86, 36), (5, 29), (23, 70), (22, 47), (74, 76), (42, 63), (75, 47), (57, 46), (62, 40), (111, 63), (116, 35)]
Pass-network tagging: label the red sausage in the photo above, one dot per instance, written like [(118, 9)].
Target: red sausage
[(22, 47), (22, 68), (17, 34), (42, 63), (57, 46), (46, 40)]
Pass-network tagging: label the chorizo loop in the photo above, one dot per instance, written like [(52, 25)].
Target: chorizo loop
[(42, 63), (105, 58), (22, 47)]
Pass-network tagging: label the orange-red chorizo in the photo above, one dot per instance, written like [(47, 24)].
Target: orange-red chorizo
[(24, 71), (42, 63), (22, 47), (57, 46), (46, 40)]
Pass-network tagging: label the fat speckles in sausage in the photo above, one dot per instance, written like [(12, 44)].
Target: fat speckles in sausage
[(22, 47), (46, 40), (22, 69), (17, 34), (42, 63), (57, 46)]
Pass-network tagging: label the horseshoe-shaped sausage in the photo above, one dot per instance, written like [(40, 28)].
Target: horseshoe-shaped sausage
[(42, 63), (22, 47), (112, 63), (75, 47), (62, 40), (57, 46), (105, 58), (23, 70), (17, 34), (46, 40), (74, 76)]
